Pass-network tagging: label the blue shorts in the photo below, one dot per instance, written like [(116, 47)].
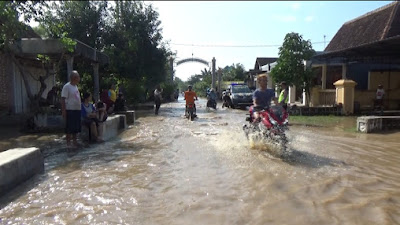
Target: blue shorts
[(73, 124)]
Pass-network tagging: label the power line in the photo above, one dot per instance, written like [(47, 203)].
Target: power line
[(236, 46)]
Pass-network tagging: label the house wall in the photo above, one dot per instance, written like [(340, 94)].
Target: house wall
[(359, 73), (21, 102), (3, 84), (13, 95), (389, 79)]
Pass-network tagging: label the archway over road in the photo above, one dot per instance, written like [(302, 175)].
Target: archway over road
[(198, 60)]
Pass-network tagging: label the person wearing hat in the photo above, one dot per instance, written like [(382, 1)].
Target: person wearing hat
[(283, 96), (380, 93)]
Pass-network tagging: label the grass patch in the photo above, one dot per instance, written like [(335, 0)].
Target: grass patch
[(316, 120), (345, 123)]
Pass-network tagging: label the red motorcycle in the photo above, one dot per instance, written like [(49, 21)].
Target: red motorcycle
[(270, 125), (190, 112)]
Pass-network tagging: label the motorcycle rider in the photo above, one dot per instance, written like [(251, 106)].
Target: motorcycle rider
[(212, 96), (190, 96), (262, 96), (226, 100)]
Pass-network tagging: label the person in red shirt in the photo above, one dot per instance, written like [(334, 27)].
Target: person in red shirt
[(190, 97)]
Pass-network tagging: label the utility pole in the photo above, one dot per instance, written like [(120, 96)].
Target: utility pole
[(324, 41)]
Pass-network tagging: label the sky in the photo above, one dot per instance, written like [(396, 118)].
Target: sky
[(186, 24)]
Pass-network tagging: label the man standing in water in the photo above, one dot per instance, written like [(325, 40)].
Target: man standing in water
[(262, 96), (157, 98), (71, 108)]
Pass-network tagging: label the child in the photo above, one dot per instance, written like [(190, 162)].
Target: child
[(101, 111)]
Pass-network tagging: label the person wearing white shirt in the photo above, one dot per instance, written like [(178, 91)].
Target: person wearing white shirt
[(71, 108)]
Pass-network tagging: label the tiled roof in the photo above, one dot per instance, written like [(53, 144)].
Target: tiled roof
[(374, 26)]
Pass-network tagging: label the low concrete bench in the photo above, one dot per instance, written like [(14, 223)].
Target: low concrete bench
[(18, 165), (130, 116), (111, 127), (368, 124)]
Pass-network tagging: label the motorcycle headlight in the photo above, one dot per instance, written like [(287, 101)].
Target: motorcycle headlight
[(273, 121), (286, 121)]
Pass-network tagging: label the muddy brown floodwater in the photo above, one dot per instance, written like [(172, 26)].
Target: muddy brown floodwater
[(168, 170)]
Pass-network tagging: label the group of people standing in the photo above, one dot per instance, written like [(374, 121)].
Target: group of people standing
[(80, 111)]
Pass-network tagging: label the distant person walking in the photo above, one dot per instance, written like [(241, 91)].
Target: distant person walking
[(71, 108), (157, 98), (380, 94), (283, 96)]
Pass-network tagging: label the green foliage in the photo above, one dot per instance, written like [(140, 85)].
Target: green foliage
[(134, 43), (180, 84), (82, 20), (68, 43), (290, 67), (11, 28), (233, 72), (200, 82), (86, 83), (168, 90), (135, 92), (200, 88)]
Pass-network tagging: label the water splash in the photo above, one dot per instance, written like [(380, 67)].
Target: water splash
[(257, 142)]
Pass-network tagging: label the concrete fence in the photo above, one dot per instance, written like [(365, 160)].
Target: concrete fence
[(369, 124)]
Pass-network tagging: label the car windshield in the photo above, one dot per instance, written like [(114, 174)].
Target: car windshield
[(241, 89)]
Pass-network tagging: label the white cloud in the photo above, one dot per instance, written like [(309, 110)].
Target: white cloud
[(295, 6), (309, 18)]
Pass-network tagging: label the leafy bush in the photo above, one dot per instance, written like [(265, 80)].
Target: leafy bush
[(200, 88), (168, 90)]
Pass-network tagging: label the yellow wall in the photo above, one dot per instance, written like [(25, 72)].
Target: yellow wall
[(391, 85), (389, 80), (365, 98)]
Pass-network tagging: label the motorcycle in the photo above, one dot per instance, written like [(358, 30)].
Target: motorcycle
[(270, 126), (190, 114), (211, 103)]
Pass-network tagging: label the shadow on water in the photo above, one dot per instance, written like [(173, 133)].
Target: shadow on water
[(306, 159), (22, 189)]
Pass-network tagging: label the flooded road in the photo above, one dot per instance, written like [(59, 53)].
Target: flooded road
[(168, 170)]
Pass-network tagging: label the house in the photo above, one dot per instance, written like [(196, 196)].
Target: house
[(262, 65), (13, 93), (367, 51)]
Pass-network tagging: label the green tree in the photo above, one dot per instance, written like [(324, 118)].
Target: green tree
[(134, 43), (290, 65), (233, 72), (180, 84), (81, 20)]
